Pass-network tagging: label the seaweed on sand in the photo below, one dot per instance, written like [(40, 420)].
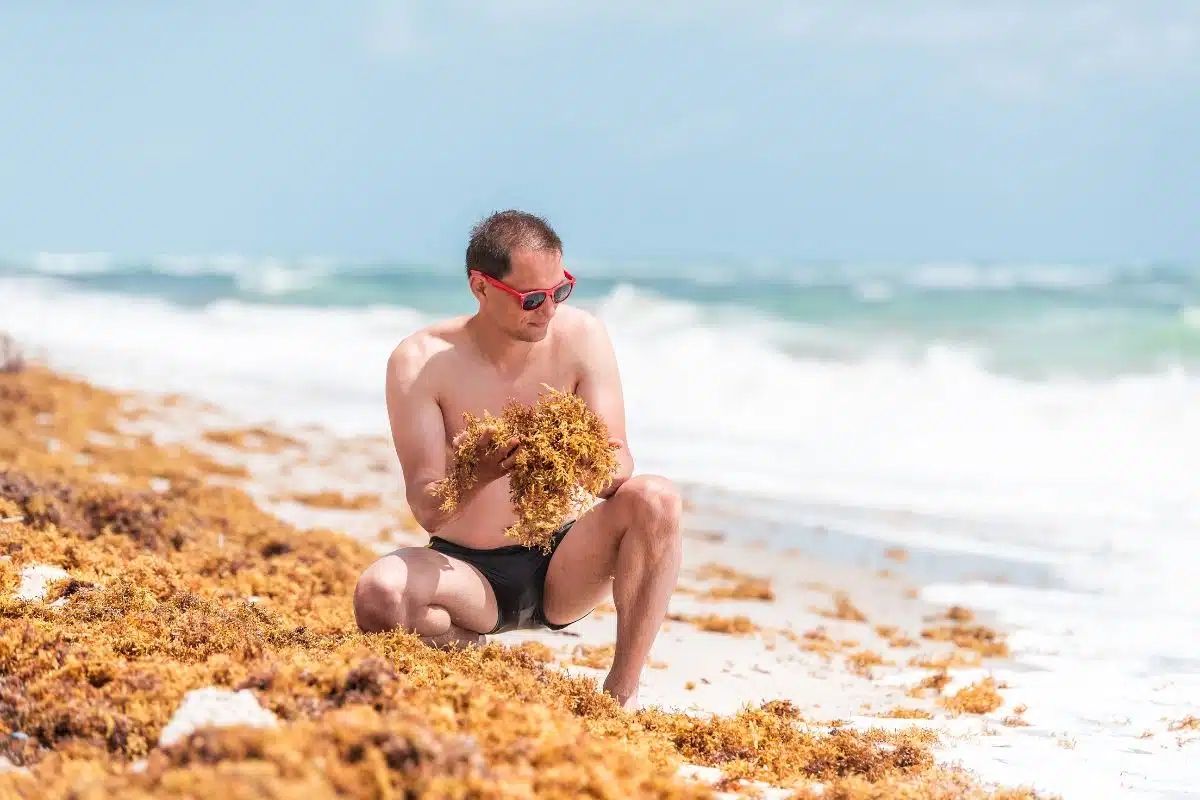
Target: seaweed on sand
[(196, 586), (564, 461), (978, 698)]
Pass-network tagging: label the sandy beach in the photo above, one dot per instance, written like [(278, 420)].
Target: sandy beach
[(851, 652)]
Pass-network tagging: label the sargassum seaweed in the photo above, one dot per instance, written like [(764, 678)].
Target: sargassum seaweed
[(177, 582), (564, 461)]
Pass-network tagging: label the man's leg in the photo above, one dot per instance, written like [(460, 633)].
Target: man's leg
[(443, 600), (631, 545)]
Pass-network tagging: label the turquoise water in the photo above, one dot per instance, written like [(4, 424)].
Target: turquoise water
[(1032, 321)]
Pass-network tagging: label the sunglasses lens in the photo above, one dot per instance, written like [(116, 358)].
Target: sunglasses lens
[(562, 292), (533, 301)]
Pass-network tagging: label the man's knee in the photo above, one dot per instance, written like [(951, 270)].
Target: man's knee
[(383, 598), (654, 496), (655, 505)]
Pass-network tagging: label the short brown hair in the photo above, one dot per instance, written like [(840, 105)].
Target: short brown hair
[(493, 240)]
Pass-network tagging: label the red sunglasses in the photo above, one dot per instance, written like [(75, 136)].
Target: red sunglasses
[(532, 300)]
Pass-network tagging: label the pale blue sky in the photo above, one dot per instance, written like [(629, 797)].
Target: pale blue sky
[(899, 131)]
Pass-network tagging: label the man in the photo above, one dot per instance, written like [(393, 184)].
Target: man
[(471, 580)]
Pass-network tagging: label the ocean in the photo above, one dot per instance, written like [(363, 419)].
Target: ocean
[(1030, 433)]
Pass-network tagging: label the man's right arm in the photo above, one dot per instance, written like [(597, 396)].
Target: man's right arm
[(418, 433)]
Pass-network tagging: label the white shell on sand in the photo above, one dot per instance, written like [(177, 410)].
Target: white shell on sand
[(215, 707), (35, 579)]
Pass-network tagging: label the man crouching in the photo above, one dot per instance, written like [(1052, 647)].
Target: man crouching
[(470, 580)]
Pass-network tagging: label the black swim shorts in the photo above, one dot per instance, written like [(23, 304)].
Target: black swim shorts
[(518, 576)]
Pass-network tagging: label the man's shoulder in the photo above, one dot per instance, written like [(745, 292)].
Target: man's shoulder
[(578, 324), (413, 354), (581, 331)]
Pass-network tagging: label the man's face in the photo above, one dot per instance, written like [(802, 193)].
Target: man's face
[(531, 269)]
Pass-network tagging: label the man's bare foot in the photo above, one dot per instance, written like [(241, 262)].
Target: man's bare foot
[(456, 638), (626, 700)]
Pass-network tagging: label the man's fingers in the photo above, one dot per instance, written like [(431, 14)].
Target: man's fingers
[(510, 455)]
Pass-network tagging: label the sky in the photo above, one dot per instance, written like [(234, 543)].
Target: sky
[(897, 131)]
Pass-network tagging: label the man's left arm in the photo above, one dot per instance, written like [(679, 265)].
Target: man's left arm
[(600, 388)]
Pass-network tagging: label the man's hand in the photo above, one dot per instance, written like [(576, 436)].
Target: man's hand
[(493, 460)]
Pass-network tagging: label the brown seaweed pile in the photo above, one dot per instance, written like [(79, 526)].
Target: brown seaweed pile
[(564, 461), (739, 625), (254, 440), (860, 662), (901, 712), (1017, 718), (985, 641), (935, 785), (738, 585), (179, 581), (894, 637), (843, 608), (333, 500), (978, 698)]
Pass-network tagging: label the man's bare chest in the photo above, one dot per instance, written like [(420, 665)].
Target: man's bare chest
[(480, 394)]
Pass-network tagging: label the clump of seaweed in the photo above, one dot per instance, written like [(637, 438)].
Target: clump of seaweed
[(942, 784), (773, 733), (564, 461), (598, 656), (333, 500), (948, 660), (901, 712), (820, 642), (960, 614), (740, 586), (860, 662), (843, 608), (935, 681), (968, 635), (256, 439), (1017, 718), (985, 641), (978, 698), (353, 753), (894, 637), (738, 625)]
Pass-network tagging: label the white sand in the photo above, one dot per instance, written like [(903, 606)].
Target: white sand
[(730, 670)]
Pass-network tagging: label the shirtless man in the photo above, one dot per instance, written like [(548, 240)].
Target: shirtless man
[(470, 580)]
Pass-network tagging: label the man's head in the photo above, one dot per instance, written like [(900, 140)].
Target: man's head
[(514, 265)]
